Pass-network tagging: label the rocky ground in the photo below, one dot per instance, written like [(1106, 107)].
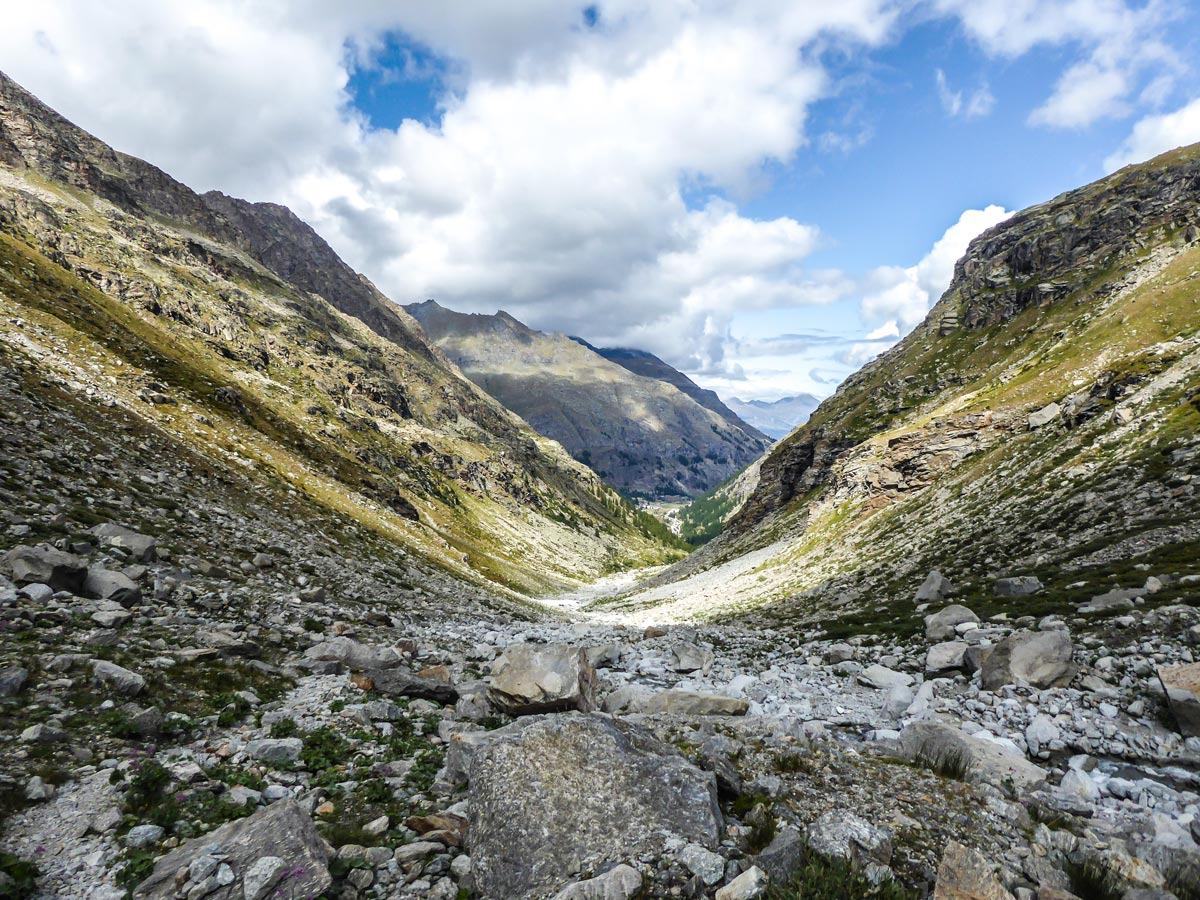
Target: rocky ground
[(179, 725)]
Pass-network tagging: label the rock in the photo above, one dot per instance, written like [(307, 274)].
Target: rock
[(281, 830), (1020, 586), (883, 678), (611, 790), (949, 751), (38, 790), (1116, 600), (143, 836), (403, 683), (1078, 785), (141, 547), (276, 751), (839, 653), (539, 678), (12, 680), (942, 625), (945, 657), (899, 698), (1182, 687), (353, 655), (103, 584), (1041, 659), (654, 631), (750, 884), (121, 680), (618, 883), (693, 703), (1040, 733), (840, 835), (1045, 415), (708, 866), (605, 656), (783, 857), (262, 875), (964, 874), (45, 565), (42, 734), (690, 658), (934, 589)]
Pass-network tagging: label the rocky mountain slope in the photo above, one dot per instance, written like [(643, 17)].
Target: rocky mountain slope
[(234, 330), (1044, 420), (776, 418), (642, 363), (642, 435)]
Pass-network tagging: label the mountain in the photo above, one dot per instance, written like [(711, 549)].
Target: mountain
[(236, 333), (642, 363), (776, 418), (642, 435), (1043, 421)]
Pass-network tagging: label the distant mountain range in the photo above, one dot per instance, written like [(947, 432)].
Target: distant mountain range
[(776, 418), (644, 427)]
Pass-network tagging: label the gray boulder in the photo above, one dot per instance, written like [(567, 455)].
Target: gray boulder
[(1019, 586), (120, 679), (945, 657), (883, 678), (693, 703), (618, 883), (934, 589), (691, 658), (750, 885), (840, 835), (281, 830), (103, 584), (539, 678), (949, 751), (783, 857), (46, 565), (1040, 659), (403, 683), (943, 624), (1045, 415), (275, 751), (12, 679), (1182, 687), (141, 547), (555, 794), (353, 655)]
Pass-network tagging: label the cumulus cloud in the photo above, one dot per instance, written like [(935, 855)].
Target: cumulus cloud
[(1157, 134), (901, 297), (1121, 44)]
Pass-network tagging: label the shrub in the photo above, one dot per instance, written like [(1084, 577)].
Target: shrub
[(822, 879)]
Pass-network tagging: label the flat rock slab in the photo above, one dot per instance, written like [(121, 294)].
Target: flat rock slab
[(693, 703), (553, 793), (964, 874), (282, 831), (943, 748)]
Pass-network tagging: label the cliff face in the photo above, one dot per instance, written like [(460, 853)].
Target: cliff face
[(641, 434), (1048, 406), (238, 317)]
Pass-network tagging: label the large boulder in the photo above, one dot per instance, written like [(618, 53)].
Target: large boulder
[(353, 655), (934, 589), (882, 678), (1182, 686), (228, 864), (1040, 659), (103, 584), (1020, 586), (46, 565), (946, 657), (694, 703), (403, 683), (964, 874), (141, 547), (688, 657), (840, 835), (539, 678), (949, 751), (943, 624), (556, 794)]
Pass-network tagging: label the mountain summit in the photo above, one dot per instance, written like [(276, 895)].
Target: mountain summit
[(642, 433)]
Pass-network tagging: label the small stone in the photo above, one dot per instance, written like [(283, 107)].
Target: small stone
[(749, 885), (141, 836)]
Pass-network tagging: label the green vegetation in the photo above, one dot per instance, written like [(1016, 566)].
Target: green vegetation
[(18, 877), (822, 879)]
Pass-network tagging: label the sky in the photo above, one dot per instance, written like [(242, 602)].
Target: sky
[(765, 194)]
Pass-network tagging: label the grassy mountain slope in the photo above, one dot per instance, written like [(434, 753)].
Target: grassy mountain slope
[(927, 457), (640, 434), (236, 330)]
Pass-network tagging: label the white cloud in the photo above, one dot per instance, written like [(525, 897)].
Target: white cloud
[(1157, 134), (1122, 45), (955, 104), (903, 296)]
